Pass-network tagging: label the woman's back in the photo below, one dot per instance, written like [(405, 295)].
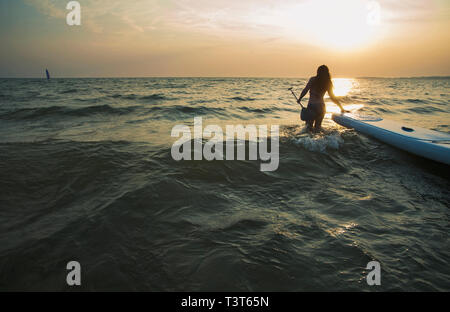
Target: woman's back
[(316, 90)]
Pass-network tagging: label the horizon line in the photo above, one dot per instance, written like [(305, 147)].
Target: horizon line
[(229, 77)]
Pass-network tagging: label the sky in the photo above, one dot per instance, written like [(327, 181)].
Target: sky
[(231, 38)]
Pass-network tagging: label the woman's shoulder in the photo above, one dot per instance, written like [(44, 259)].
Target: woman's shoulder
[(311, 81)]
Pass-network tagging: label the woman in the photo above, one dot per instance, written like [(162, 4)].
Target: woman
[(317, 86)]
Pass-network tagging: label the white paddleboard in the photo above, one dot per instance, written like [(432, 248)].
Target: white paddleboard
[(427, 143)]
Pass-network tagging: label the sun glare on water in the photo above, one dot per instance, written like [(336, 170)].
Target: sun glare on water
[(342, 87)]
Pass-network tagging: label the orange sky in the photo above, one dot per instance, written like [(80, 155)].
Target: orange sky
[(268, 38)]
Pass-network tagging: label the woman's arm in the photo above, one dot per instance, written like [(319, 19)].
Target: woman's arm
[(305, 90), (335, 100)]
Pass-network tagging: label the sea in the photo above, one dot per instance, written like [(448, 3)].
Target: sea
[(87, 175)]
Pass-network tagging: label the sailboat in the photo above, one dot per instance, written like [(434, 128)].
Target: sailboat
[(47, 74)]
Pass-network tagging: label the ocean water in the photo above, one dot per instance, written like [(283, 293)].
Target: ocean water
[(86, 174)]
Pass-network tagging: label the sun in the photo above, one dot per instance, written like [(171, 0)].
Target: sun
[(342, 25)]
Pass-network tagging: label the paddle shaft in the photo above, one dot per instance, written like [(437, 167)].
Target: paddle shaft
[(296, 98)]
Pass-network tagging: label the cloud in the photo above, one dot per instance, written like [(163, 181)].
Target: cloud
[(413, 11), (218, 16), (101, 16), (253, 19), (49, 7)]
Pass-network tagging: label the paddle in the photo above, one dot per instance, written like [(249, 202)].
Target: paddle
[(290, 89)]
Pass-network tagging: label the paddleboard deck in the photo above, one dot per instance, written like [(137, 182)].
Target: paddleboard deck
[(423, 142)]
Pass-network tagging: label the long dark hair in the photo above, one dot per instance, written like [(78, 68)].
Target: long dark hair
[(323, 78)]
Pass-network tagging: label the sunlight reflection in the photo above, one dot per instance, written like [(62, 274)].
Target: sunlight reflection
[(342, 86), (342, 229)]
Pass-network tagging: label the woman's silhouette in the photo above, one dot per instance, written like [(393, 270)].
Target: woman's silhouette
[(317, 86)]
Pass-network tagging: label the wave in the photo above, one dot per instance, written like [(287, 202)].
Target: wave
[(255, 110), (69, 91), (168, 86), (381, 110), (146, 98), (320, 143), (154, 97), (176, 111), (177, 86), (52, 111), (424, 110), (157, 112), (242, 225), (242, 99), (415, 101)]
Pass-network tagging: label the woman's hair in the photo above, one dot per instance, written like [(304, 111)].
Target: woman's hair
[(323, 80)]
